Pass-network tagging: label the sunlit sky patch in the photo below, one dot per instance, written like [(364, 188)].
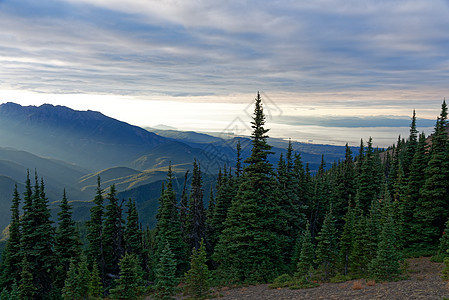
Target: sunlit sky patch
[(323, 65)]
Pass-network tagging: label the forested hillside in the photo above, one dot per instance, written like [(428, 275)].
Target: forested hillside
[(358, 218)]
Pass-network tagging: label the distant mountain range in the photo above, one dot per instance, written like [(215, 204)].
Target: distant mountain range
[(70, 148)]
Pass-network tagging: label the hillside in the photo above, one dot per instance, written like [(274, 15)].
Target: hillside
[(87, 138)]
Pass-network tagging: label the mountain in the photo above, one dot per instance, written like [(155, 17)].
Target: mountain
[(87, 138)]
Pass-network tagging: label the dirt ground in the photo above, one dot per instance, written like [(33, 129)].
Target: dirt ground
[(424, 283)]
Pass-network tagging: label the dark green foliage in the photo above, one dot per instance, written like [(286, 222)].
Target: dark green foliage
[(11, 259), (95, 285), (69, 289), (130, 284), (434, 194), (327, 251), (249, 248), (168, 228), (67, 242), (37, 238), (369, 179), (443, 248), (82, 278), (307, 254), (445, 271), (197, 279), (346, 240), (133, 234), (225, 193), (359, 257), (166, 274), (197, 216), (386, 265), (27, 289), (95, 231), (113, 243)]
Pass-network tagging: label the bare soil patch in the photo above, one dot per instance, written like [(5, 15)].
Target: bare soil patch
[(424, 283)]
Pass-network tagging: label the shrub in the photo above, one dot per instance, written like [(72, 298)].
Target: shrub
[(445, 271), (282, 281), (340, 278)]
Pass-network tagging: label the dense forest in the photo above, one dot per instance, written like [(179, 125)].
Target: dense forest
[(358, 218)]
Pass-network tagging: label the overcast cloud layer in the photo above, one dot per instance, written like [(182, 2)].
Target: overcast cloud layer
[(352, 51)]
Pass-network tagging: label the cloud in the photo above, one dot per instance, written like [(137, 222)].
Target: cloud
[(351, 122), (198, 48)]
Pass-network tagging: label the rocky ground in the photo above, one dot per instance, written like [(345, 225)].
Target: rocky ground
[(424, 283)]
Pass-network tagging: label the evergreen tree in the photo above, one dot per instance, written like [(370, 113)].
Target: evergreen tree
[(168, 227), (197, 279), (67, 242), (346, 240), (369, 179), (133, 234), (27, 290), (113, 243), (238, 165), (359, 257), (165, 274), (386, 264), (327, 251), (249, 248), (95, 289), (95, 231), (197, 216), (38, 238), (307, 254), (184, 209), (69, 289), (443, 247), (129, 284), (10, 267), (412, 145), (434, 194), (413, 204)]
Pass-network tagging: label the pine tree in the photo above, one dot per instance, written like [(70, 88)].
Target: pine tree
[(197, 279), (346, 240), (113, 243), (412, 145), (327, 251), (67, 241), (385, 265), (129, 284), (307, 254), (165, 274), (197, 216), (249, 248), (434, 193), (168, 227), (133, 234), (183, 209), (10, 267), (38, 237), (70, 284), (369, 179), (413, 205), (95, 289), (359, 257), (443, 248), (27, 290), (82, 278), (95, 252)]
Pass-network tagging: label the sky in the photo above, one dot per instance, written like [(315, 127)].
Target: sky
[(328, 71)]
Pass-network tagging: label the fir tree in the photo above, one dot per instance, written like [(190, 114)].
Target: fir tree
[(249, 248), (197, 279), (165, 274), (385, 265), (129, 284), (133, 234), (307, 254), (346, 240), (327, 251), (67, 242), (369, 179), (95, 231), (69, 289), (113, 243), (10, 267), (168, 227), (197, 216), (27, 290), (443, 247), (434, 193), (95, 289)]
